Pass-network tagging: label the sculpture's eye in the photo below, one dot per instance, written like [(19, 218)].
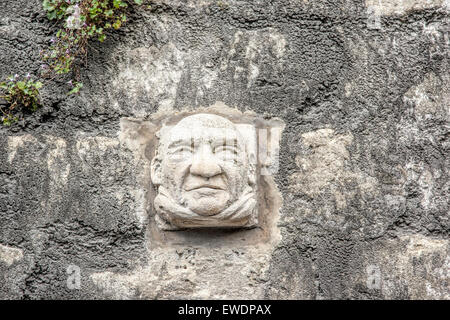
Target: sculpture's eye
[(183, 150), (226, 152), (225, 148)]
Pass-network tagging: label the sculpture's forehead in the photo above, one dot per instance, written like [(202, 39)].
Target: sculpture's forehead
[(201, 127), (202, 134), (205, 120)]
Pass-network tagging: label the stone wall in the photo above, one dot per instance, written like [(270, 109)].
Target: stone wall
[(360, 198)]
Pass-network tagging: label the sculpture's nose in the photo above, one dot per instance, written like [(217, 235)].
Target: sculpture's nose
[(204, 164)]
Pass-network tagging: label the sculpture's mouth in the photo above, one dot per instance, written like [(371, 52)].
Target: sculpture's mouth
[(204, 187)]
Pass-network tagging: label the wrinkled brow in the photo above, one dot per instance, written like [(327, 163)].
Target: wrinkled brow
[(196, 141), (225, 142), (181, 142)]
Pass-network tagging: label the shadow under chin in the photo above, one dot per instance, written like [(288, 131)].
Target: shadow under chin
[(212, 236)]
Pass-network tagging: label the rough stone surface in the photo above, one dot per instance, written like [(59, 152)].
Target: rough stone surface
[(362, 189), (10, 255), (391, 7)]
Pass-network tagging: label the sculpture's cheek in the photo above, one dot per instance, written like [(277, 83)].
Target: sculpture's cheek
[(174, 173), (237, 176)]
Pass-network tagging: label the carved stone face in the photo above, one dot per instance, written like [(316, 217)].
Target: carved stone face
[(203, 166)]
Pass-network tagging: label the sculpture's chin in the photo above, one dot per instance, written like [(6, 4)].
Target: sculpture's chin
[(206, 210), (207, 204)]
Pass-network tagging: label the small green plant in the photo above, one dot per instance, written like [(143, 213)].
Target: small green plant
[(19, 93), (83, 20), (75, 87)]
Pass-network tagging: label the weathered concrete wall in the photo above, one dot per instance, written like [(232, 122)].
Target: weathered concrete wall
[(362, 188)]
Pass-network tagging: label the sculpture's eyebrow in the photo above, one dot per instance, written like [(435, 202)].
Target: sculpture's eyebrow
[(215, 142), (181, 142), (225, 142)]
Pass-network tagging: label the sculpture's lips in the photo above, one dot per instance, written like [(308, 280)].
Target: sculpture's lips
[(204, 186)]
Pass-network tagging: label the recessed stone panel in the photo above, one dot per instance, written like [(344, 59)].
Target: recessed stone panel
[(208, 173)]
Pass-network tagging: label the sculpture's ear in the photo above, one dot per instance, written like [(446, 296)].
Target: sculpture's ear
[(155, 166), (247, 132), (155, 170), (251, 174)]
